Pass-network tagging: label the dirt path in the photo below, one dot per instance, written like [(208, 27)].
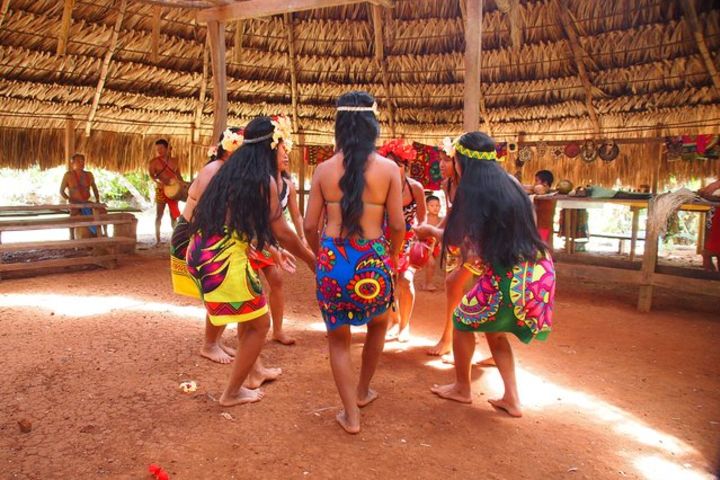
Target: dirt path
[(93, 359)]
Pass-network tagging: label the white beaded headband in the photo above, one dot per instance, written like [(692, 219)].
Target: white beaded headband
[(348, 108)]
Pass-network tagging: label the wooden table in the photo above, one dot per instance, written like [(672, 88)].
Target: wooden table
[(647, 278), (104, 250)]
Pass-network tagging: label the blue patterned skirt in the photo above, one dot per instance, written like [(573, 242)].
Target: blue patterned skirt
[(354, 280)]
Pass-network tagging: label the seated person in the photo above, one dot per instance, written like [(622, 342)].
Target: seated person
[(544, 209), (711, 249)]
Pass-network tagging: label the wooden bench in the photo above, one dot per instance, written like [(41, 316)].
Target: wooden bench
[(102, 250)]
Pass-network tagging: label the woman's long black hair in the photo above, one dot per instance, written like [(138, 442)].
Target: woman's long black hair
[(238, 196), (355, 135), (220, 150), (492, 215)]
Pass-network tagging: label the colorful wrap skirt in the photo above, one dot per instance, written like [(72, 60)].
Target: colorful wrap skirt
[(227, 282), (260, 259), (453, 260), (182, 282), (518, 300), (354, 280)]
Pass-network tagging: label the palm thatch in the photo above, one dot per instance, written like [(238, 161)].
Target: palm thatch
[(641, 57)]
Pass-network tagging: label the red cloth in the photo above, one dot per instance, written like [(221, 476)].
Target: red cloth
[(712, 234), (161, 199)]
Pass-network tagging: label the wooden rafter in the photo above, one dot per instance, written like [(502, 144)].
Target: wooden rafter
[(697, 30), (289, 28), (200, 106), (105, 66), (511, 8), (155, 36), (473, 95), (216, 40), (265, 8), (238, 40), (4, 7), (65, 26), (573, 37), (195, 4), (376, 13)]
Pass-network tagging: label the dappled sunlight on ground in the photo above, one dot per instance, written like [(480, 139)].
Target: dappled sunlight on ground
[(89, 305)]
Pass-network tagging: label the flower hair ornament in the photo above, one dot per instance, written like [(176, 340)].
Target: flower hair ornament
[(350, 108), (282, 132), (212, 151), (231, 140), (398, 149), (450, 147)]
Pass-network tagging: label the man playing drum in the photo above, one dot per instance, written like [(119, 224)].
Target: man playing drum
[(169, 185)]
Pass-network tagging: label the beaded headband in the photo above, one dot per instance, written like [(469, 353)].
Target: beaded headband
[(249, 141), (349, 108), (491, 156)]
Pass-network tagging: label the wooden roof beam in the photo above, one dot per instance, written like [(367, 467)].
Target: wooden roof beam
[(238, 40), (216, 39), (4, 7), (573, 37), (376, 13), (289, 28), (155, 37), (200, 106), (688, 7), (65, 26), (105, 66), (265, 8), (194, 4)]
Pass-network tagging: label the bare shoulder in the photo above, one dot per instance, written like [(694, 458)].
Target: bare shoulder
[(415, 184), (383, 162)]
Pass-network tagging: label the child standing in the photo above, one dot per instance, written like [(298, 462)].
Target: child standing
[(434, 219)]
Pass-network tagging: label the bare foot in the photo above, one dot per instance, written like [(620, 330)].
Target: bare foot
[(216, 354), (452, 392), (476, 360), (229, 350), (404, 335), (244, 395), (365, 400), (350, 427), (261, 375), (283, 338), (443, 347), (511, 408), (392, 332)]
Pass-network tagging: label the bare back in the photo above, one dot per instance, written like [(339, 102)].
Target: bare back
[(382, 193)]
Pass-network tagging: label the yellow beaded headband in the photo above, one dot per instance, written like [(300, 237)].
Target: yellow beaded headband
[(491, 156)]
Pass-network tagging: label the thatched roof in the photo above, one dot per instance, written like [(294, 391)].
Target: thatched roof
[(642, 61)]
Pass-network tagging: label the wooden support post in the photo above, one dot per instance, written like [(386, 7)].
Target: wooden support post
[(649, 262), (155, 37), (567, 220), (301, 174), (288, 19), (697, 31), (105, 66), (515, 156), (216, 39), (483, 107), (658, 154), (577, 51), (473, 38), (634, 233), (69, 139), (200, 106), (4, 7), (238, 40), (701, 233), (65, 26)]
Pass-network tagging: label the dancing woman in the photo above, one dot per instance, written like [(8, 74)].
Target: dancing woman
[(183, 283), (240, 206), (492, 223), (354, 278), (414, 212)]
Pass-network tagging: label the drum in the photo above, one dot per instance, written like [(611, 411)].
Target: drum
[(176, 190)]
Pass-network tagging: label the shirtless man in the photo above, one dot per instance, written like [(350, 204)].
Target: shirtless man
[(75, 188), (164, 169)]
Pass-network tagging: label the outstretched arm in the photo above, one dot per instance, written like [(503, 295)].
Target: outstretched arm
[(282, 231), (295, 214), (94, 188), (419, 194), (313, 213), (63, 187), (396, 220)]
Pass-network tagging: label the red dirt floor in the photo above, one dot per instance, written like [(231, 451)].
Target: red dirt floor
[(93, 360)]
